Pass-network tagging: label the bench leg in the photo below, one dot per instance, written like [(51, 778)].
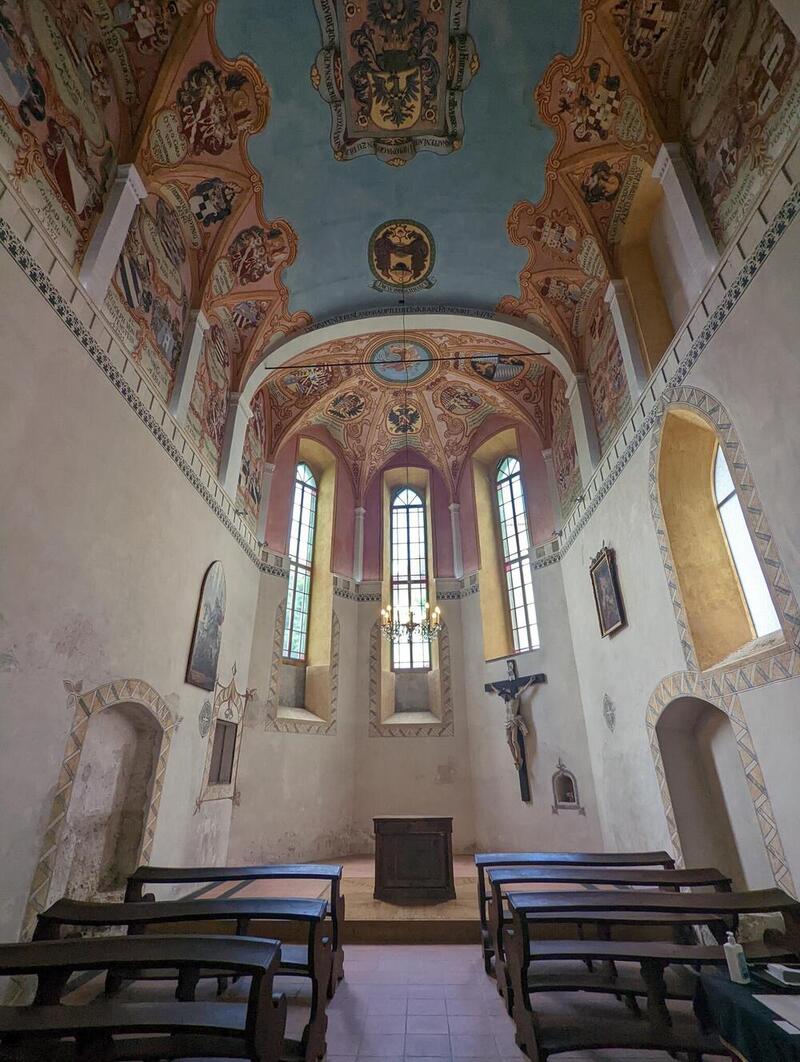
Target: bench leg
[(187, 985), (337, 964), (653, 974), (321, 964)]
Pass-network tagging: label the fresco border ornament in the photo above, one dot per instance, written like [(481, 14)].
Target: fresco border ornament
[(693, 684), (330, 72), (84, 706)]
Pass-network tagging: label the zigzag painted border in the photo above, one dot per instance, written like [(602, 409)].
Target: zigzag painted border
[(84, 706), (692, 684)]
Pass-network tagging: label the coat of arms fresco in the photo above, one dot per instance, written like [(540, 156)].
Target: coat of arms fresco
[(393, 72)]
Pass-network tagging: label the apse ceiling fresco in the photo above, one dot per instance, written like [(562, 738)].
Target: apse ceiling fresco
[(431, 391), (322, 158)]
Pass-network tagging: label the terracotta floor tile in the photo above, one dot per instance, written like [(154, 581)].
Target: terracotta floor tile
[(427, 1023), (426, 1005), (427, 1045)]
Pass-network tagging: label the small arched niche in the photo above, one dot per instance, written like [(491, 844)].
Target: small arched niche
[(101, 841), (712, 803), (721, 622)]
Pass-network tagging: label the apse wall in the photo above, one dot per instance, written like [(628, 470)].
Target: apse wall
[(105, 547)]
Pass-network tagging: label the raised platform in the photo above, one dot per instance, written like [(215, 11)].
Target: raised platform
[(371, 921)]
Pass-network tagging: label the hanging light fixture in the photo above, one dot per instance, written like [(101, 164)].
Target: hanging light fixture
[(393, 627)]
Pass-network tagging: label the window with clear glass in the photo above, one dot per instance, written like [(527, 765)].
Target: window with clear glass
[(409, 577), (301, 553), (516, 555), (751, 578)]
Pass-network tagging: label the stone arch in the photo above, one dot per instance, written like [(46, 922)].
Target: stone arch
[(84, 706), (693, 684), (784, 661), (525, 332)]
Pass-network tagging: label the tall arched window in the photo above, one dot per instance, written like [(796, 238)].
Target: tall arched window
[(516, 555), (754, 585), (409, 576), (301, 553)]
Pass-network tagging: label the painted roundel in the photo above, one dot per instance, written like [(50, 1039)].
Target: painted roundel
[(401, 255), (400, 362)]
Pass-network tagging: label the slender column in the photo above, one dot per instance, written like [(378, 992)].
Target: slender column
[(698, 252), (358, 544), (455, 526), (552, 489), (105, 246), (186, 369), (266, 487), (239, 413), (619, 303), (580, 407)]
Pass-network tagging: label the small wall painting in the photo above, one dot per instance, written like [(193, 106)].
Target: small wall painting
[(401, 256), (460, 400), (401, 362), (607, 597), (204, 657)]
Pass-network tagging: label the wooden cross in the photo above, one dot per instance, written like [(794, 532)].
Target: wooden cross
[(510, 691)]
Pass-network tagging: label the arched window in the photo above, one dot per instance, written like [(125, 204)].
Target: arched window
[(301, 553), (754, 585), (409, 576), (516, 555)]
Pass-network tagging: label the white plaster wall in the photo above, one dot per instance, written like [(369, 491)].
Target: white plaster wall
[(752, 366), (679, 288), (412, 775), (296, 790), (104, 548), (554, 715)]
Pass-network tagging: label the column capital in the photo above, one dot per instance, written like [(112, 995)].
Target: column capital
[(455, 507), (668, 155), (547, 454), (616, 286), (241, 400), (359, 510), (619, 303)]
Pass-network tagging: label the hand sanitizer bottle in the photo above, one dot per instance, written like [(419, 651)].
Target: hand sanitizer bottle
[(737, 963)]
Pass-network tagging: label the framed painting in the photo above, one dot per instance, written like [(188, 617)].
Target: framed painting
[(607, 598), (204, 657)]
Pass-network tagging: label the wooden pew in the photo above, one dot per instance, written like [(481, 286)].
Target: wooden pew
[(485, 860), (501, 877), (136, 1031), (540, 1040), (312, 960), (330, 872)]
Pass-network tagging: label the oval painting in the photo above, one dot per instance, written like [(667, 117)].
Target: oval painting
[(401, 254)]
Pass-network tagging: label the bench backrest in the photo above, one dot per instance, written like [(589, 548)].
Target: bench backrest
[(722, 903), (196, 875), (705, 876), (77, 913), (484, 860)]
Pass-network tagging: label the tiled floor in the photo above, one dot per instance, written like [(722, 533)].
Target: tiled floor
[(435, 1002), (404, 1002)]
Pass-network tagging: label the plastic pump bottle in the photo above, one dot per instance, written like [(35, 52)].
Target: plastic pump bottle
[(737, 963)]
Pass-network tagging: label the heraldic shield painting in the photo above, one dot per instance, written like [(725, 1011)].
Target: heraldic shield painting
[(393, 72)]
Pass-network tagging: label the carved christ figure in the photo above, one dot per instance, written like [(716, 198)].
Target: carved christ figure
[(516, 727)]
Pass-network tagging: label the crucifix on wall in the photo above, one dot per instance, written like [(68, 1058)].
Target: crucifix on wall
[(510, 691)]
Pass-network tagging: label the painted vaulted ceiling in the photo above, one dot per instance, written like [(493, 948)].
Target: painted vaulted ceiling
[(306, 160)]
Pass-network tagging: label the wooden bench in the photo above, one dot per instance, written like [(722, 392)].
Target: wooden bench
[(330, 872), (48, 1031), (485, 860), (541, 1040), (501, 877), (312, 959)]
